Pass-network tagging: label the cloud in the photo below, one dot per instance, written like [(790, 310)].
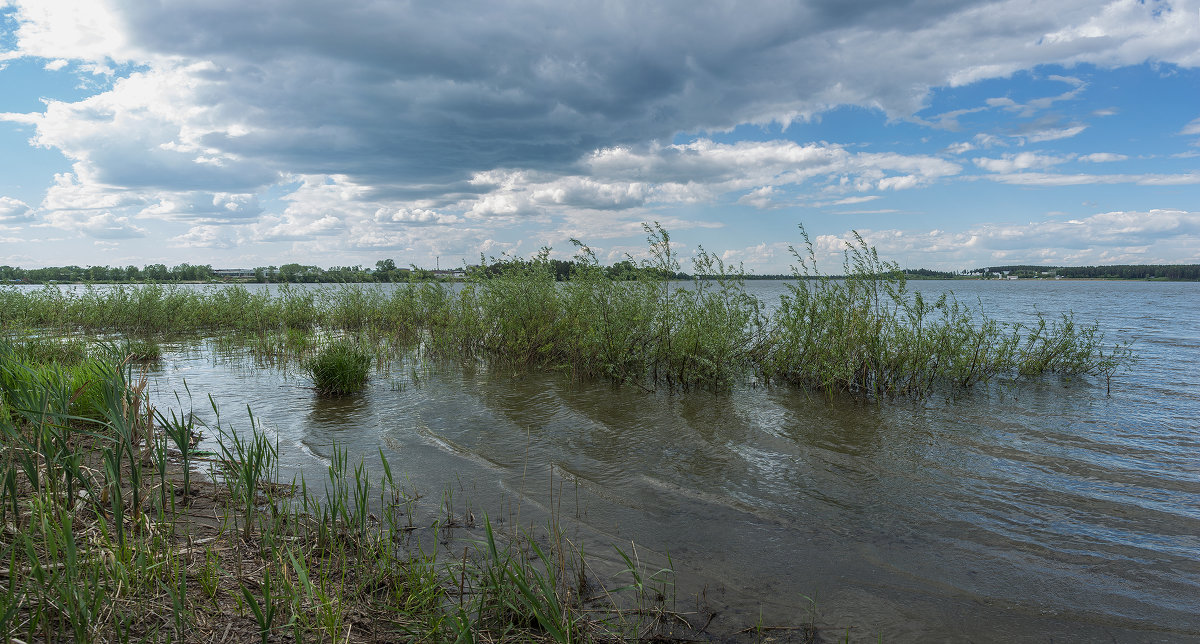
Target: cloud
[(1033, 106), (14, 211), (759, 258), (762, 198), (88, 31), (21, 118), (291, 228), (1191, 128), (850, 200), (1152, 236), (630, 180), (880, 211), (1103, 157), (220, 207), (69, 193), (949, 120), (1052, 133), (407, 126), (584, 192), (230, 97), (703, 168), (1124, 31), (1050, 179), (205, 237), (985, 140), (103, 226), (414, 217), (151, 132), (1018, 162)]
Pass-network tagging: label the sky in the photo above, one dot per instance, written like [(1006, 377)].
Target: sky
[(949, 134)]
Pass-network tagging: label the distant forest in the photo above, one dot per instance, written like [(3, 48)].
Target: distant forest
[(183, 273), (1178, 272), (387, 271), (384, 271)]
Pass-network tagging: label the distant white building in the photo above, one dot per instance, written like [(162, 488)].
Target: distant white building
[(233, 273)]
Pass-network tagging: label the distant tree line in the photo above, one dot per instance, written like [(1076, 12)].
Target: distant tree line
[(308, 274), (149, 273), (386, 270), (624, 270), (1181, 272), (183, 273), (927, 274)]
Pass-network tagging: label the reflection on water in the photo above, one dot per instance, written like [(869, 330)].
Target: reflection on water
[(1044, 511)]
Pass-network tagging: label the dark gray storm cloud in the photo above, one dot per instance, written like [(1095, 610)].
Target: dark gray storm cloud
[(410, 93)]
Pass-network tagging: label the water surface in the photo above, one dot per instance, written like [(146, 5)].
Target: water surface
[(1046, 511)]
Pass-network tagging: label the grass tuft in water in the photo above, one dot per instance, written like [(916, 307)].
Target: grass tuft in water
[(339, 369)]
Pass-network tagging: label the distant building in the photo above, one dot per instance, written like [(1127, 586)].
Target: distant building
[(233, 273)]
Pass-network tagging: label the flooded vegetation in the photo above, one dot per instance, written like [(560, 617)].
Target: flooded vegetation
[(514, 457), (864, 333)]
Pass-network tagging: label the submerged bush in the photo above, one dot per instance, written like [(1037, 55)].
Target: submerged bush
[(339, 369)]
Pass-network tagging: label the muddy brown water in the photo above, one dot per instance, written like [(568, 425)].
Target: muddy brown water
[(1044, 511)]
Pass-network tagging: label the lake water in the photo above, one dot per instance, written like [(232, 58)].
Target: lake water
[(1045, 511)]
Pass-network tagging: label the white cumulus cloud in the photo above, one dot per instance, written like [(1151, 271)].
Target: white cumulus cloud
[(14, 211), (1018, 162), (1103, 157)]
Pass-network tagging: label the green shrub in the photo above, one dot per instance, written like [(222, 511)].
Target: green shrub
[(339, 369)]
